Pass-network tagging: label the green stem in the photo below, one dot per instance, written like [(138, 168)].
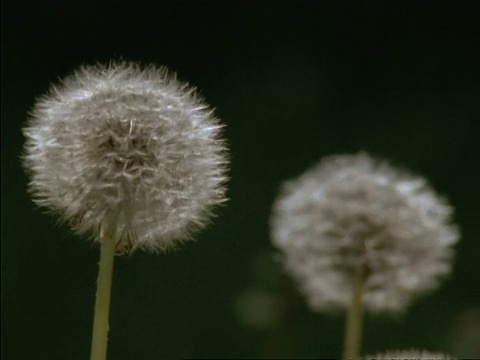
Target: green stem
[(354, 320), (102, 303)]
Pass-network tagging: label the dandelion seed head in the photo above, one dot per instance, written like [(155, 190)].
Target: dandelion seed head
[(127, 145), (351, 211), (409, 355)]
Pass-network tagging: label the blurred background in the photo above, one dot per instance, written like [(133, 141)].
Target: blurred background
[(293, 81)]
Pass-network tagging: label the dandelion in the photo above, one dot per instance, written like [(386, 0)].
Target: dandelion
[(357, 233), (409, 355), (128, 155), (130, 148)]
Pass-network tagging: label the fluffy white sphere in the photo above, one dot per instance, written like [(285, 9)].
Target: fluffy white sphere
[(351, 211), (409, 355), (130, 148)]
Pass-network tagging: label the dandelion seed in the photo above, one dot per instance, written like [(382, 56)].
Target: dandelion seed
[(129, 155), (350, 212), (409, 355), (129, 148)]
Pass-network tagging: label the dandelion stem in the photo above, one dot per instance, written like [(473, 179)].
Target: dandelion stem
[(354, 320), (102, 302)]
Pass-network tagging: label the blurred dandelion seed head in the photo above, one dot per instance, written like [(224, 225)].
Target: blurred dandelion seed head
[(129, 147), (351, 211), (409, 355)]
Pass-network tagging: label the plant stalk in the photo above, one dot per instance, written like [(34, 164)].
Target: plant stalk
[(102, 302), (354, 319)]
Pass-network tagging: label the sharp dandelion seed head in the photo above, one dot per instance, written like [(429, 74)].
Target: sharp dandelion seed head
[(128, 147), (352, 211)]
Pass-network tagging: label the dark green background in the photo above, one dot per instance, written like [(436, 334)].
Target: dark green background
[(293, 81)]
